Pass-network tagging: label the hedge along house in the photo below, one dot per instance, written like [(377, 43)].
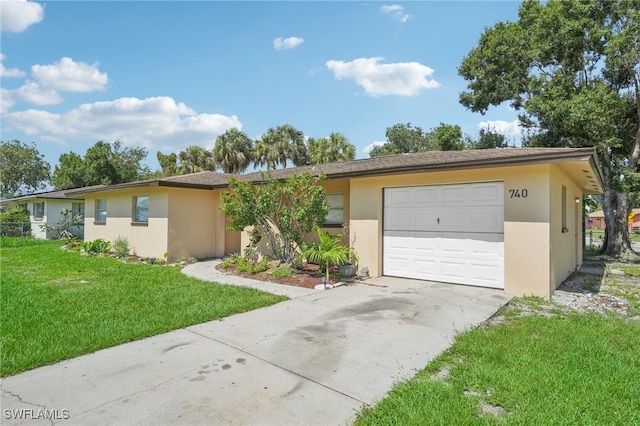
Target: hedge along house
[(505, 218), (45, 208)]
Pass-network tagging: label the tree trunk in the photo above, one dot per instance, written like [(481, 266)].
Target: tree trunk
[(616, 208)]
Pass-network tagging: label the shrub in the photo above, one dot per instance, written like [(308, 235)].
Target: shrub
[(99, 246), (282, 272), (121, 247), (261, 266), (244, 265), (15, 223)]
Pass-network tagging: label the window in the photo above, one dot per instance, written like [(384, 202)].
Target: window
[(335, 216), (101, 211), (38, 210), (141, 209), (77, 209), (564, 209)]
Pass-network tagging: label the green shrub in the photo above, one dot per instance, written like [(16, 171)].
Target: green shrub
[(244, 265), (15, 223), (260, 266), (228, 262), (99, 246), (282, 272), (121, 247)]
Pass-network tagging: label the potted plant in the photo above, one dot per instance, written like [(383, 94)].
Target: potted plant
[(350, 267), (327, 251)]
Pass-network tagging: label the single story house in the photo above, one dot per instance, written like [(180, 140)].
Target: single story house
[(595, 220), (46, 208), (500, 218)]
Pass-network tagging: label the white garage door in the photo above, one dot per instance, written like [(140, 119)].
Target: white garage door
[(447, 233)]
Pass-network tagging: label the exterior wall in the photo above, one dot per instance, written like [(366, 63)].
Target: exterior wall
[(149, 240), (196, 228), (594, 222), (565, 250), (526, 233)]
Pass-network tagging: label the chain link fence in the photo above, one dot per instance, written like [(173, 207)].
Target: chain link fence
[(14, 234)]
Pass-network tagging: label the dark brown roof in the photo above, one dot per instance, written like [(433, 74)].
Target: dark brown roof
[(390, 164)]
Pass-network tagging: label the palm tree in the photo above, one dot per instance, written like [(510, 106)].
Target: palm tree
[(233, 151), (195, 159), (334, 148), (278, 145), (328, 250)]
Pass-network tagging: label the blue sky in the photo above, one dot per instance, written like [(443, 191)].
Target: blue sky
[(167, 74)]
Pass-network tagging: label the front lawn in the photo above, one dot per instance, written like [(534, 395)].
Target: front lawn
[(57, 304)]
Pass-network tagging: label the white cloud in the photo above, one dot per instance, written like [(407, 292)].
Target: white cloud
[(367, 149), (9, 72), (402, 78), (287, 43), (6, 100), (396, 11), (507, 128), (36, 94), (17, 15), (155, 123), (70, 76)]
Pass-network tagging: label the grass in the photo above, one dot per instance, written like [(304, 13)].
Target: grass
[(57, 304), (576, 369)]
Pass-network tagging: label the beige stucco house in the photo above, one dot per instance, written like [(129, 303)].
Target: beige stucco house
[(505, 218)]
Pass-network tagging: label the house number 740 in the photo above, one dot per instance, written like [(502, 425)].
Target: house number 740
[(518, 193)]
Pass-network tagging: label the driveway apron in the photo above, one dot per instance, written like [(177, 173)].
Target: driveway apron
[(314, 359)]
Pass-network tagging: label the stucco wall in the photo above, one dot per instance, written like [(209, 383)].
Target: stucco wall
[(565, 246), (526, 233), (148, 240), (196, 227)]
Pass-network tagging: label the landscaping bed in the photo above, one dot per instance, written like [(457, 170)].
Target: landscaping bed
[(308, 276)]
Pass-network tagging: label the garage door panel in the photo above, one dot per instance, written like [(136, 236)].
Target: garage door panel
[(458, 237)]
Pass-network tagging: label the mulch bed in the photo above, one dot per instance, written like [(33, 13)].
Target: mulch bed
[(307, 277)]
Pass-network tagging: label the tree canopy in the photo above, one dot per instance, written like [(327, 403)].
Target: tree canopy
[(103, 163), (279, 145), (405, 138), (23, 168), (336, 147), (571, 69), (233, 151)]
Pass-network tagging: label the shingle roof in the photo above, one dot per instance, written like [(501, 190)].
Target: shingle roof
[(390, 164), (434, 160)]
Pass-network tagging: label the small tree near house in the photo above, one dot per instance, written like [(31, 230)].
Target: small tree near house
[(281, 212)]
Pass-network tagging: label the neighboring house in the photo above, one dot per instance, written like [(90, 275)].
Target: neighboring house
[(501, 218), (47, 207), (595, 220)]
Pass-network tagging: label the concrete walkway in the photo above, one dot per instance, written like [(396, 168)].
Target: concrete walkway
[(314, 359)]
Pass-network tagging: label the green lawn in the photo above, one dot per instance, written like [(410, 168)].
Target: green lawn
[(562, 370), (57, 304)]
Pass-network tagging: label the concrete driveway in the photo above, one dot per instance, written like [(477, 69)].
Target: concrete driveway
[(314, 359)]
